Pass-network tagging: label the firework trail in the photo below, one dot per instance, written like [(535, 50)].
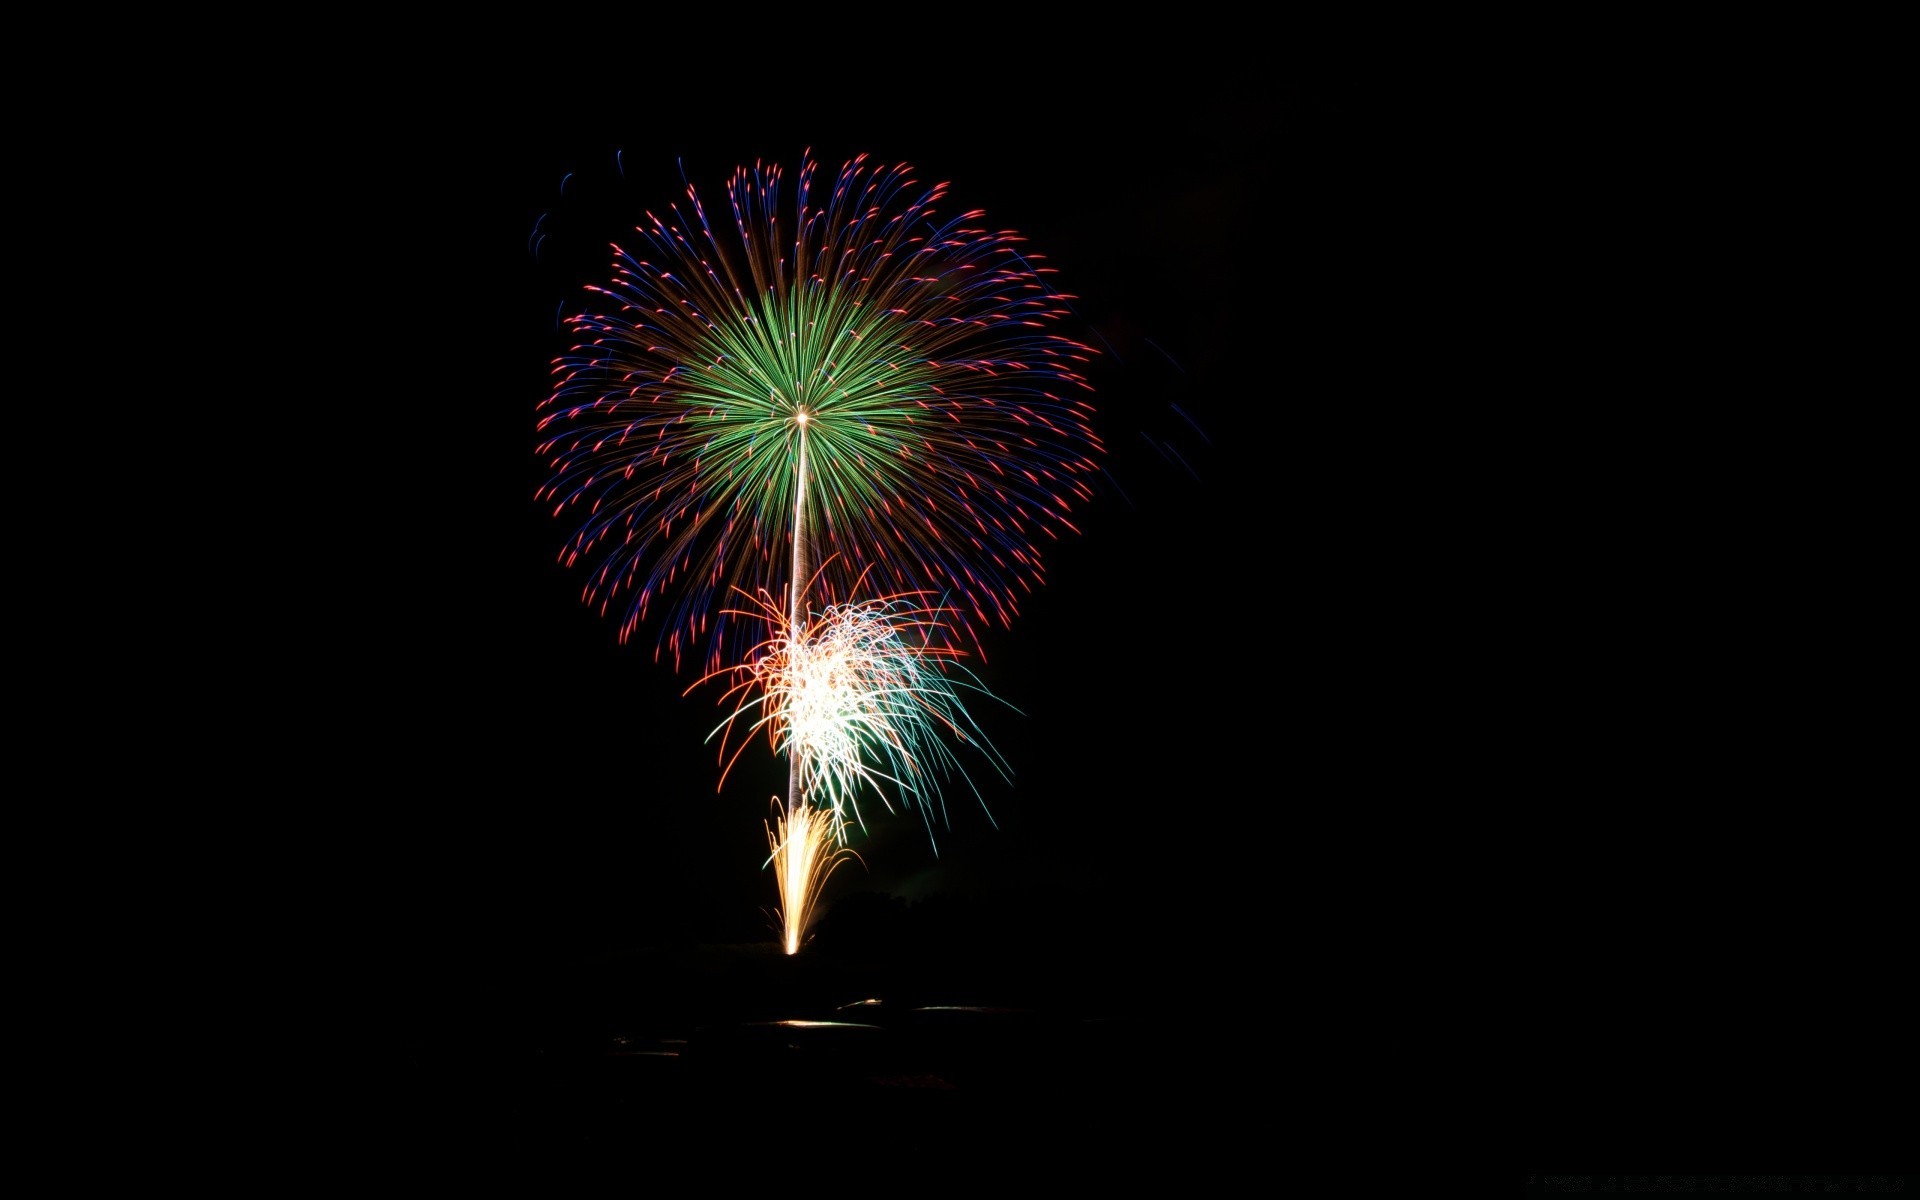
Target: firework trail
[(804, 854), (903, 355)]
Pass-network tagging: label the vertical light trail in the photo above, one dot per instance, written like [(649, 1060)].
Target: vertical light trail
[(795, 863)]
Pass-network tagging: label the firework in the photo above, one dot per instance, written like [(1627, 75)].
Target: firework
[(857, 378), (862, 699), (804, 855), (857, 369)]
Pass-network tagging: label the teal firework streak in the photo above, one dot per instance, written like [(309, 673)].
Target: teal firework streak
[(863, 700)]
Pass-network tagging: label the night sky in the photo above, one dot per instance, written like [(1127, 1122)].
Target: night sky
[(560, 793), (1363, 606)]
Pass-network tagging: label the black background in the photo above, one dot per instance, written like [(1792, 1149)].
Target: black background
[(1396, 748), (1207, 668), (1214, 743)]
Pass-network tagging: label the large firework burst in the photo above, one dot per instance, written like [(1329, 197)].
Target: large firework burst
[(858, 369)]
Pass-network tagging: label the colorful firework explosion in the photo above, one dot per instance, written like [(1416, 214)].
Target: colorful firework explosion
[(862, 698), (946, 428)]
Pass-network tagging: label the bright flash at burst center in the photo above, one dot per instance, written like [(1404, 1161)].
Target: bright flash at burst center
[(863, 698)]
